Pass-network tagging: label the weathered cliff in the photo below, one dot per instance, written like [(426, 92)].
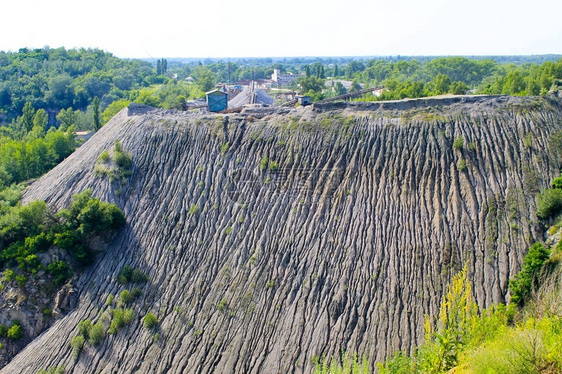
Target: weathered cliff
[(273, 237)]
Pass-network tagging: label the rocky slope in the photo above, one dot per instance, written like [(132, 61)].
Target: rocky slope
[(271, 237)]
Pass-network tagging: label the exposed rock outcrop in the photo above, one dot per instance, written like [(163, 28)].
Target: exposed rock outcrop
[(272, 238)]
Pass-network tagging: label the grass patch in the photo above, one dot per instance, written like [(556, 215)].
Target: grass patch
[(150, 321)]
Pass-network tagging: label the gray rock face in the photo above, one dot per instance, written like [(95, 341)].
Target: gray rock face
[(273, 238)]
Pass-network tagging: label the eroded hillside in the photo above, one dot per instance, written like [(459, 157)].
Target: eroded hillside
[(270, 238)]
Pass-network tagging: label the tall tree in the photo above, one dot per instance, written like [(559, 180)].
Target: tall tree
[(27, 117), (67, 118), (204, 77), (96, 109), (339, 89), (158, 67), (441, 83), (40, 119), (355, 86)]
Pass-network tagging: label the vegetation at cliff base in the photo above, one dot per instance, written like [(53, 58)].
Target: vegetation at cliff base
[(526, 280), (26, 231), (500, 339)]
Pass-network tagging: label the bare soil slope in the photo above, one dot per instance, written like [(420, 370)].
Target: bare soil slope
[(273, 237)]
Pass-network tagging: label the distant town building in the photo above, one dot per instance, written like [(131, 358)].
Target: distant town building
[(283, 79)]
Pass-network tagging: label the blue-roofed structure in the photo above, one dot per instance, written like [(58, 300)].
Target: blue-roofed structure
[(217, 100)]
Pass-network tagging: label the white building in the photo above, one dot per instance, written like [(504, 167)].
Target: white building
[(283, 79)]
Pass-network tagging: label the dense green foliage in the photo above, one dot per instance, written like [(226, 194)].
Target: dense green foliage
[(26, 231), (28, 152), (523, 283), (58, 79), (534, 346), (458, 75)]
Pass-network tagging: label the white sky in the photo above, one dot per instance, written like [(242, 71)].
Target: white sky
[(262, 28)]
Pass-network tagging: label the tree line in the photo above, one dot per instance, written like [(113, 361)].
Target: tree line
[(72, 80)]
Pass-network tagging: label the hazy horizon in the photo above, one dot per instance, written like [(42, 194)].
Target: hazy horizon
[(223, 29)]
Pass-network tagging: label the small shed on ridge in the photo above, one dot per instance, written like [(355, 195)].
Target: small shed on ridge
[(217, 100)]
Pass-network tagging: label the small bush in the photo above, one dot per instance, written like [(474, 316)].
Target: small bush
[(110, 299), (21, 279), (9, 275), (101, 171), (557, 183), (150, 321), (123, 160), (138, 277), (128, 316), (222, 305), (125, 296), (549, 202), (273, 166), (15, 332), (458, 143), (77, 344), (60, 271), (117, 146), (53, 370), (462, 165), (97, 333), (121, 317), (224, 148), (194, 209), (117, 321), (104, 158), (136, 292), (264, 163), (129, 274), (84, 328)]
